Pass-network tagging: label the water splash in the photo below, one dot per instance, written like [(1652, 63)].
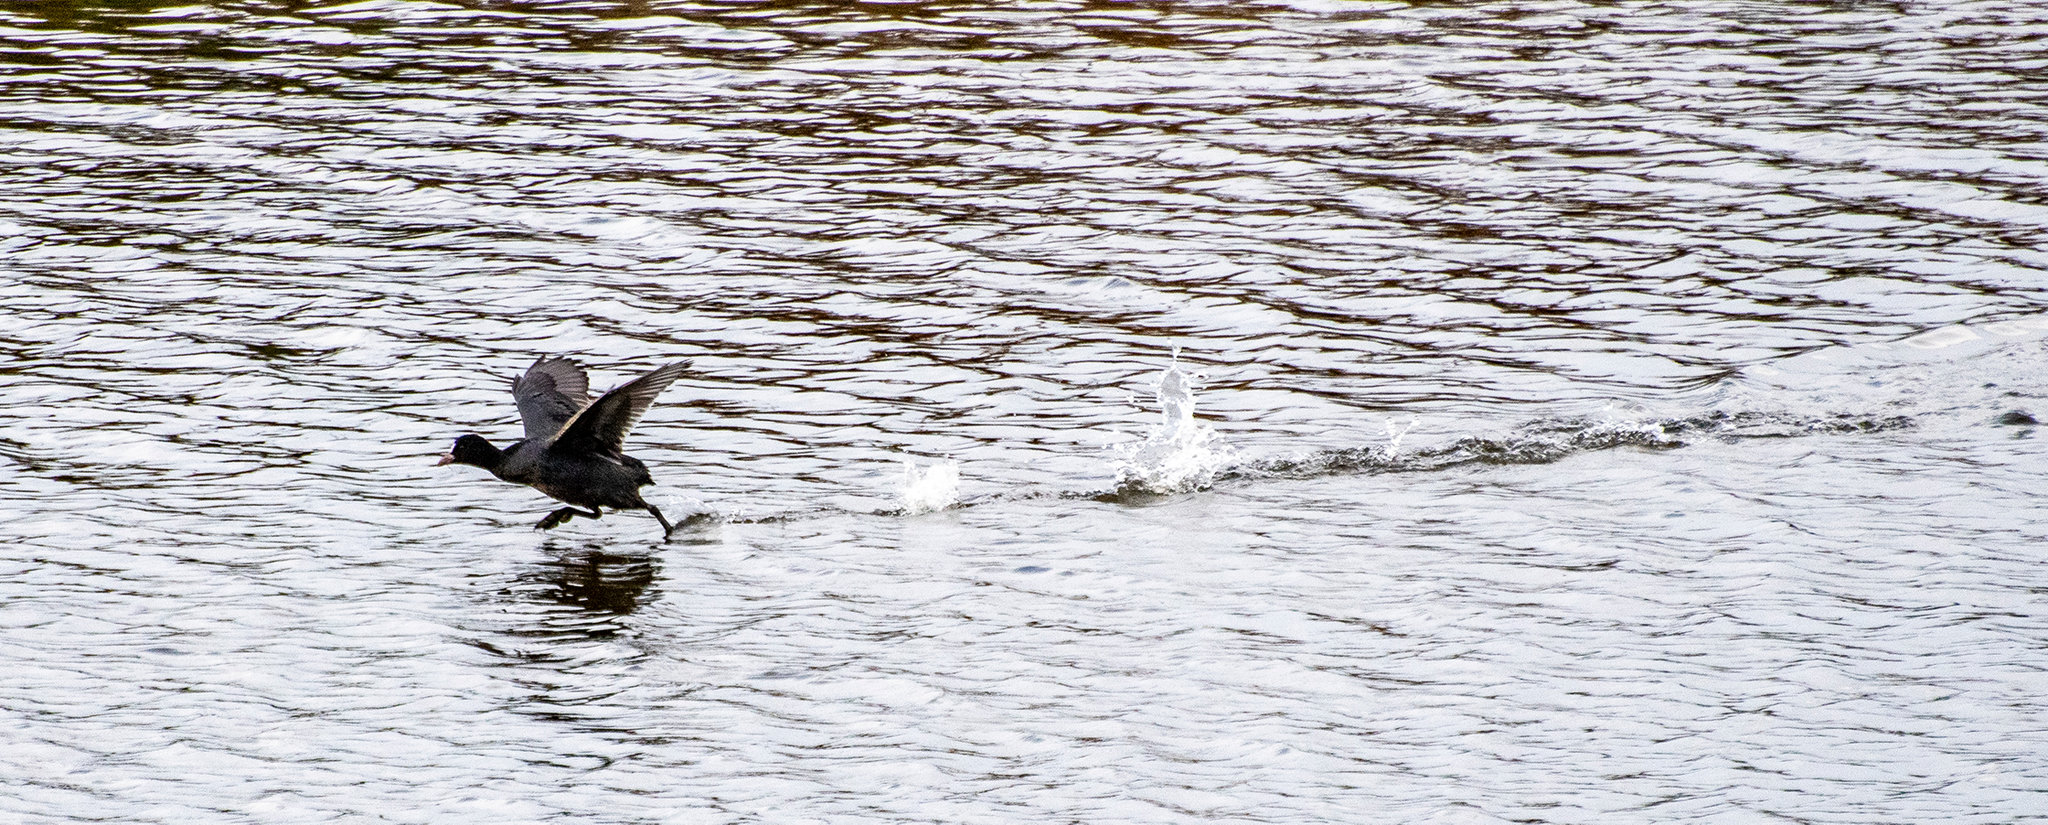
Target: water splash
[(933, 487), (1397, 431), (1180, 454)]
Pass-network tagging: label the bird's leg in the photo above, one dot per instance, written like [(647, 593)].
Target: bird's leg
[(666, 528), (555, 518), (562, 516)]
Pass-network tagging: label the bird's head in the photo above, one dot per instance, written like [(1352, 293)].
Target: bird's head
[(474, 451)]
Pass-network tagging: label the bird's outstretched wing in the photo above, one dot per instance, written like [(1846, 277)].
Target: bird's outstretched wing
[(549, 394), (602, 425)]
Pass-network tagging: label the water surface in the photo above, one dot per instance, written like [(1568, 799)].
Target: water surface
[(1571, 412)]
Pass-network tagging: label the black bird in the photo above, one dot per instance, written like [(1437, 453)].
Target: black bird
[(574, 448)]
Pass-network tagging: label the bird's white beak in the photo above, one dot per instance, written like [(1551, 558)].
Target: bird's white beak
[(446, 459)]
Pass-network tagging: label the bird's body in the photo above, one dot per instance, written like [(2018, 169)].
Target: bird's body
[(574, 450)]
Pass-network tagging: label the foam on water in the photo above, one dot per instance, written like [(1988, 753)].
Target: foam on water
[(935, 486), (1180, 454)]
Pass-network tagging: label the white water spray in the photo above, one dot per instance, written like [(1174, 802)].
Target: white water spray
[(1180, 454), (935, 486), (1396, 432)]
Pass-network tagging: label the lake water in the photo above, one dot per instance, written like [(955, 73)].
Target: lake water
[(1318, 412)]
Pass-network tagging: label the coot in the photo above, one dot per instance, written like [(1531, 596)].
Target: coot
[(574, 449)]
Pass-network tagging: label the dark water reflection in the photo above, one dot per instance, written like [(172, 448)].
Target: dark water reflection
[(596, 581), (1619, 411)]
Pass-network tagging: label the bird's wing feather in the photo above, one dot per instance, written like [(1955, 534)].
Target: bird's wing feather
[(602, 425), (549, 394)]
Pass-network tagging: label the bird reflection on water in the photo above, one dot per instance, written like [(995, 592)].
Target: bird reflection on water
[(597, 579), (571, 596), (585, 590)]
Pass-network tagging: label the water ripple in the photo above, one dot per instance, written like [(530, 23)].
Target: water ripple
[(1630, 411)]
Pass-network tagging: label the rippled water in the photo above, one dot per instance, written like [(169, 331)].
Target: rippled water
[(1352, 411)]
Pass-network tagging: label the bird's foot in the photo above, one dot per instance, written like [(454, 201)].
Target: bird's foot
[(667, 529), (563, 515)]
